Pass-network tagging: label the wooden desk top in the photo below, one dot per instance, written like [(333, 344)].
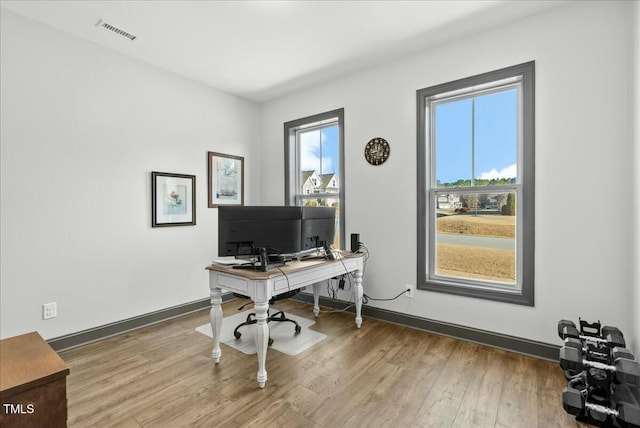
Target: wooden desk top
[(289, 267), (27, 361)]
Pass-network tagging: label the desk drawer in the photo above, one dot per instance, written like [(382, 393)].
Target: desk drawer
[(233, 283), (280, 285)]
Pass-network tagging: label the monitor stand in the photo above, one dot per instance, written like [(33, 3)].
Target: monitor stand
[(266, 262), (258, 267)]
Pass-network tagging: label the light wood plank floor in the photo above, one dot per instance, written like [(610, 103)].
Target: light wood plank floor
[(381, 375)]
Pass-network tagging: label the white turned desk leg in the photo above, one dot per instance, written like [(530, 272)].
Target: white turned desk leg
[(316, 298), (262, 340), (359, 292), (216, 323)]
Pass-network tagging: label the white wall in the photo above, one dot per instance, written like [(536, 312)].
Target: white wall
[(635, 119), (82, 129), (584, 257)]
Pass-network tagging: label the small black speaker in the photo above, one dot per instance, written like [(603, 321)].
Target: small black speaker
[(355, 242)]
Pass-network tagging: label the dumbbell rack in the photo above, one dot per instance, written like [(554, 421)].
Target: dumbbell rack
[(603, 377)]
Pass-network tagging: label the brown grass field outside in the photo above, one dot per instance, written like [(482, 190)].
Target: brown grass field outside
[(477, 262), (502, 226)]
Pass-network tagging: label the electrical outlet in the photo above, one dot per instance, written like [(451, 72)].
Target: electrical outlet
[(49, 310), (411, 288)]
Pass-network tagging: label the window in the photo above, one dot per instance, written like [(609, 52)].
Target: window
[(314, 164), (476, 186)]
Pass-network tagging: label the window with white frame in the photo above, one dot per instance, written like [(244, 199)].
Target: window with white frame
[(314, 164), (476, 186)]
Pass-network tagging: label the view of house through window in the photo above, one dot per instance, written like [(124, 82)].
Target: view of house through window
[(475, 186), (314, 157)]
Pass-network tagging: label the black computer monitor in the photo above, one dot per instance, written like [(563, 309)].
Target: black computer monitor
[(243, 230), (318, 227)]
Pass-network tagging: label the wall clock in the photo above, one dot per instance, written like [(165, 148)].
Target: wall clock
[(376, 151)]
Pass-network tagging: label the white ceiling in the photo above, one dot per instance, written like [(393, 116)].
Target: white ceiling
[(261, 50)]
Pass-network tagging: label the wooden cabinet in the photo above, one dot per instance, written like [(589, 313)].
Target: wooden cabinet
[(33, 383)]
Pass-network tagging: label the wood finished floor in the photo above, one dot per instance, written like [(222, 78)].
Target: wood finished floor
[(381, 375)]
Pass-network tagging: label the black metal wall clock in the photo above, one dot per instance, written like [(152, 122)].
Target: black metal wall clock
[(376, 151)]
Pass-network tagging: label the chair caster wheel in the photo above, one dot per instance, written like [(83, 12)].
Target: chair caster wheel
[(298, 329), (237, 334)]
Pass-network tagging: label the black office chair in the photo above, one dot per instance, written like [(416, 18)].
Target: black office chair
[(278, 316)]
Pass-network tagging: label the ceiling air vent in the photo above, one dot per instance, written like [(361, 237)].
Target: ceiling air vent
[(116, 30)]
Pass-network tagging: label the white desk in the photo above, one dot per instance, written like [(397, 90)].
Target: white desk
[(262, 286)]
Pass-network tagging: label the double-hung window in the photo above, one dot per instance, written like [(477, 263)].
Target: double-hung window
[(476, 186), (314, 164)]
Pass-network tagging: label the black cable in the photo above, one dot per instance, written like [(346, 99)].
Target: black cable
[(285, 277), (332, 291), (364, 296), (364, 254), (333, 311), (348, 274), (246, 304)]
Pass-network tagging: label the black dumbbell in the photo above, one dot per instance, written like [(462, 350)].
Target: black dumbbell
[(626, 370), (567, 329), (573, 401), (619, 352), (576, 343), (614, 353), (611, 355), (611, 336), (562, 324), (626, 412), (627, 402)]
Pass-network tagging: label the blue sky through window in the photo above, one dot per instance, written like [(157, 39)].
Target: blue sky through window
[(495, 151), (319, 150)]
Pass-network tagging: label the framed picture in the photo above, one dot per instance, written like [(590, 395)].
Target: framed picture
[(226, 180), (173, 199)]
